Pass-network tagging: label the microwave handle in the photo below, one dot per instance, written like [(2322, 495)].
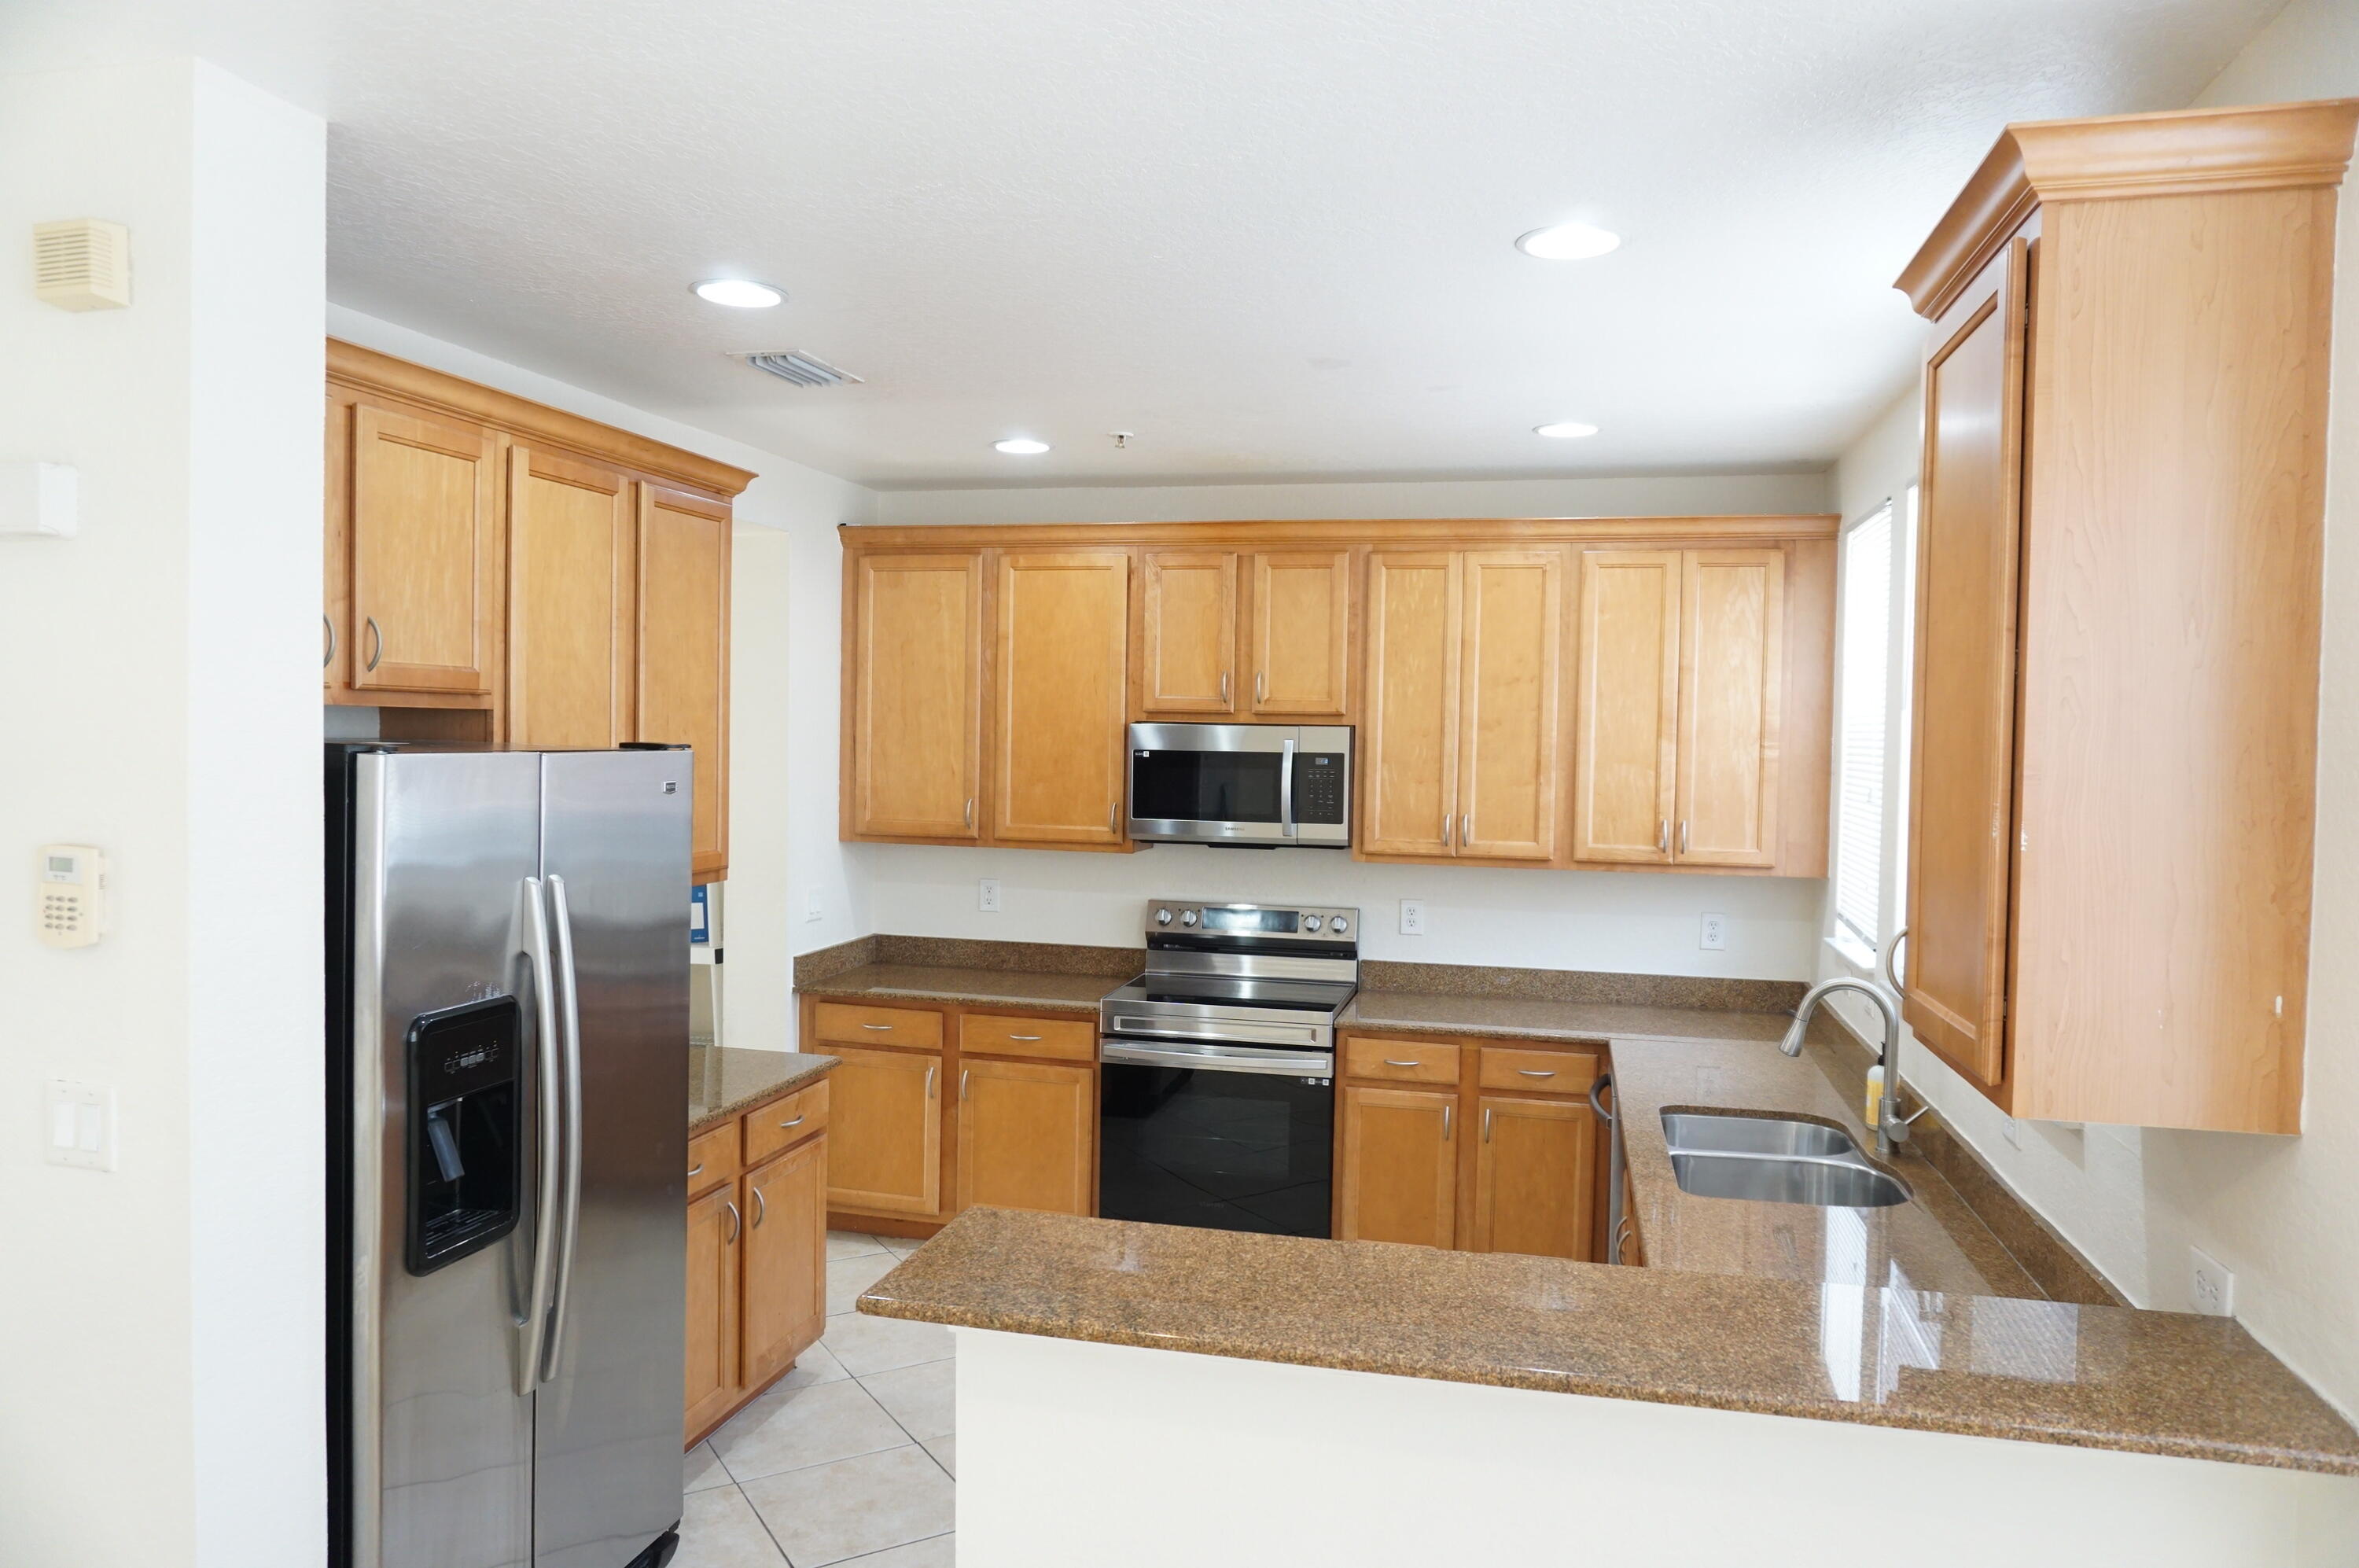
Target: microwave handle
[(1285, 787)]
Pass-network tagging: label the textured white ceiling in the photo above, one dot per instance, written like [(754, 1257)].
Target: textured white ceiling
[(1273, 237)]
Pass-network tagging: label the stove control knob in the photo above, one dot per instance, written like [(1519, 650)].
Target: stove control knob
[(1188, 918), (1311, 922), (1339, 925), (1162, 916)]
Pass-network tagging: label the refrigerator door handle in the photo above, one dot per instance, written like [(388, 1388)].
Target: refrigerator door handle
[(544, 1213), (569, 1005)]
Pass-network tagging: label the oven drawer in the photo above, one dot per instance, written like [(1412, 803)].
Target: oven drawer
[(845, 1023), (1401, 1060)]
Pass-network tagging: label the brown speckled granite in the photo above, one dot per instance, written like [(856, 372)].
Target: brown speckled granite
[(1039, 957), (1542, 1018), (724, 1082), (983, 988), (1582, 985), (2037, 1371), (811, 968)]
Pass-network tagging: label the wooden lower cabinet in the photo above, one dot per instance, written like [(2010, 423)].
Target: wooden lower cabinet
[(1534, 1163), (756, 1253), (1027, 1133), (1494, 1149), (888, 1153), (1400, 1165)]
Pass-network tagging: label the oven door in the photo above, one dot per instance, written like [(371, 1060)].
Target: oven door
[(1219, 1137)]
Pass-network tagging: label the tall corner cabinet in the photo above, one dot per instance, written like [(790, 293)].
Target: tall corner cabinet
[(2113, 747), (501, 571)]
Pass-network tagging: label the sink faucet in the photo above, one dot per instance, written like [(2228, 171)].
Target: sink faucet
[(1891, 1127)]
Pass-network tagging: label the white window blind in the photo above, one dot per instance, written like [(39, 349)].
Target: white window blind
[(1866, 670)]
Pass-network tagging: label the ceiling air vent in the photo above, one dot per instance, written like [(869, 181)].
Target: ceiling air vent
[(793, 364)]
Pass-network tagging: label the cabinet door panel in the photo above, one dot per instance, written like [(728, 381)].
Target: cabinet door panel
[(1409, 768), (1508, 735), (885, 1128), (1962, 773), (1025, 1133), (1400, 1166), (683, 652), (570, 613), (785, 1260), (1535, 1177), (1188, 631), (715, 1228), (1301, 633), (1624, 772), (1732, 680), (424, 544), (915, 751), (1059, 743)]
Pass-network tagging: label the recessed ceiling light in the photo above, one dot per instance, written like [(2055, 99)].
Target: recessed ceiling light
[(1564, 430), (1021, 446), (742, 293), (1568, 242)]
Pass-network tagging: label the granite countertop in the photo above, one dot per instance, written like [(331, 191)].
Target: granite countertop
[(725, 1082), (1532, 1017), (1049, 990), (2037, 1371)]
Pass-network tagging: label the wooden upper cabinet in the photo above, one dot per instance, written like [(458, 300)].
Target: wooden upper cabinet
[(1624, 781), (1535, 1177), (683, 651), (424, 525), (885, 1129), (1188, 632), (1058, 741), (1300, 655), (1732, 680), (1399, 1165), (572, 585), (914, 672), (1026, 1136), (1962, 768), (1409, 748), (1509, 745)]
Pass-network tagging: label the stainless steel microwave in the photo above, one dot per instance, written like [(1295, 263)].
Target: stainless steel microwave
[(1257, 785)]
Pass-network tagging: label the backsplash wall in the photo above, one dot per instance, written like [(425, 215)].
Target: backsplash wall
[(1645, 923)]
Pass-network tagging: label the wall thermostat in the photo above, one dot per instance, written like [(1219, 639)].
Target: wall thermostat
[(69, 895)]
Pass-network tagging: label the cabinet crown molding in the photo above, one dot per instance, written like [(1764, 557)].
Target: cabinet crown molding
[(366, 370), (2183, 152), (1441, 533)]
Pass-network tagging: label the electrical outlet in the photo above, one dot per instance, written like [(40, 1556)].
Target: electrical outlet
[(813, 908), (2012, 1129), (987, 895), (1714, 938), (1412, 917), (2210, 1288)]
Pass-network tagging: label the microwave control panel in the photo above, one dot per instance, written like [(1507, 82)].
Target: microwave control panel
[(1319, 786)]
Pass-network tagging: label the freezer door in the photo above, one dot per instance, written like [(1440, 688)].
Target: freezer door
[(615, 852), (444, 847)]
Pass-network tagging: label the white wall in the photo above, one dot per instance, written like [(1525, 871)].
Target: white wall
[(786, 622), (2277, 1211), (160, 1394), (1567, 919)]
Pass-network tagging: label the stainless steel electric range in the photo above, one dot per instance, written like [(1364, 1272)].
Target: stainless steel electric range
[(1217, 1099)]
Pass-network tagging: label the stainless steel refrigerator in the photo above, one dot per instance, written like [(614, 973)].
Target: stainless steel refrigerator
[(508, 1048)]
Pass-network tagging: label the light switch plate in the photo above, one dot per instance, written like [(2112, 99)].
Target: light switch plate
[(986, 897), (1715, 935), (1412, 917), (78, 1124)]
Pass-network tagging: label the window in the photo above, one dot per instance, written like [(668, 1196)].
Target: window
[(1867, 657)]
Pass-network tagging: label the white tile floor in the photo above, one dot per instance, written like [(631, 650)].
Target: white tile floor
[(848, 1459)]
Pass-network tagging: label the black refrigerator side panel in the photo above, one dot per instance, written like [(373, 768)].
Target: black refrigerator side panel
[(337, 821)]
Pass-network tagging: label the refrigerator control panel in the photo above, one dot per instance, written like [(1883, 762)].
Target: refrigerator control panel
[(465, 1143), (69, 895)]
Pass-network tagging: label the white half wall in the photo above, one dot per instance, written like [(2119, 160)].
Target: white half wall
[(1074, 1455), (2276, 1211), (161, 1398)]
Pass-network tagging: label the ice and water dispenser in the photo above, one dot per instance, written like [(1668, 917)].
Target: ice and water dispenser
[(465, 1153)]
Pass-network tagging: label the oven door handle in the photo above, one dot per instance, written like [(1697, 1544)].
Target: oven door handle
[(1218, 1059), (1170, 1029), (1285, 787)]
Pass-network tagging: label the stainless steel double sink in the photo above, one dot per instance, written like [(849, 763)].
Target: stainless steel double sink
[(1776, 1160)]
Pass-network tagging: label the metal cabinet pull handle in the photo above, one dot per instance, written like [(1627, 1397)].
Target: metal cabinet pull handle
[(1535, 1072), (695, 1170), (969, 810), (376, 642), (1224, 687), (1111, 809), (1390, 1063), (1683, 836), (330, 656), (798, 1121), (1445, 1122), (1466, 829), (1486, 1124), (886, 1028), (1024, 1037), (1446, 821), (1662, 836), (964, 1074), (737, 1222), (1261, 684), (1892, 960), (761, 1207), (929, 1083)]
